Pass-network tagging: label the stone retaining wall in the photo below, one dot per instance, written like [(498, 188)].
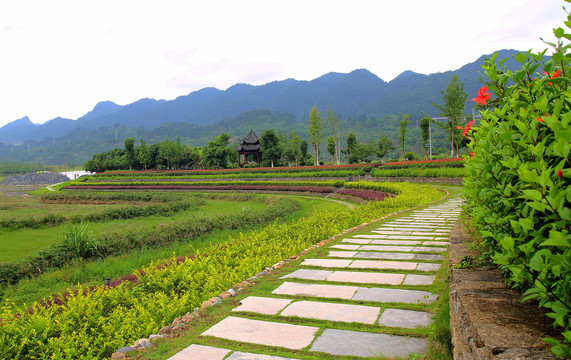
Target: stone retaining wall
[(488, 320)]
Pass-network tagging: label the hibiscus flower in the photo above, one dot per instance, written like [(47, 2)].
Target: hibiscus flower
[(482, 96)]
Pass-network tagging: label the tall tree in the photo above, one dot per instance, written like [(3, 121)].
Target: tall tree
[(315, 132), (453, 98), (333, 123), (384, 146), (303, 145), (292, 150), (166, 153), (130, 151), (425, 132), (332, 148), (351, 143), (215, 155), (402, 134), (144, 156), (270, 147)]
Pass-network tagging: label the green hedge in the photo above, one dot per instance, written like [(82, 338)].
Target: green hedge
[(518, 183), (453, 172)]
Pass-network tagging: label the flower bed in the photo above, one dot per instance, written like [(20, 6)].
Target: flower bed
[(315, 189)]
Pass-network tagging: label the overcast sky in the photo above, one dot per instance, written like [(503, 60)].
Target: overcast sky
[(60, 58)]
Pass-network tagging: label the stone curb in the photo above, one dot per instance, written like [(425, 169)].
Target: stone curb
[(169, 331)]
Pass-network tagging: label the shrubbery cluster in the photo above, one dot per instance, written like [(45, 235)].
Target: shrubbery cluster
[(518, 180)]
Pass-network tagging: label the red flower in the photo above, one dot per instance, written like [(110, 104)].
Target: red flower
[(459, 127), (540, 119), (560, 174), (555, 75), (482, 96), (472, 154), (468, 126)]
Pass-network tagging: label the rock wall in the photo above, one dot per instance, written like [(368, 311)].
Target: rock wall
[(34, 179), (488, 320)]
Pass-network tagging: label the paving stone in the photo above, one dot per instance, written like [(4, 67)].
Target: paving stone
[(428, 267), (426, 248), (238, 355), (396, 242), (410, 237), (366, 277), (309, 274), (391, 232), (342, 254), (380, 264), (333, 312), (433, 233), (329, 263), (356, 241), (411, 279), (426, 257), (371, 236), (394, 295), (318, 290), (384, 255), (439, 243), (442, 238), (200, 352), (387, 248), (263, 332), (363, 344), (262, 305), (404, 318), (346, 247)]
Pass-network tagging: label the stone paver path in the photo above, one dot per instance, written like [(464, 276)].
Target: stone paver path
[(380, 279)]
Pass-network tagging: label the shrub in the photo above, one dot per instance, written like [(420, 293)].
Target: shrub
[(78, 240), (518, 181)]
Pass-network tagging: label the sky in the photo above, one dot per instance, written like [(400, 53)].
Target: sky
[(60, 58)]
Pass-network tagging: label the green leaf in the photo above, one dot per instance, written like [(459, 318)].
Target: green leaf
[(558, 33), (556, 238), (533, 195), (520, 57)]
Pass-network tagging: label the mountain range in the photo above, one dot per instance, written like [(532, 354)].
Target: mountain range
[(359, 92)]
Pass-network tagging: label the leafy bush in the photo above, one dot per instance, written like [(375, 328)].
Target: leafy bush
[(518, 181), (419, 172)]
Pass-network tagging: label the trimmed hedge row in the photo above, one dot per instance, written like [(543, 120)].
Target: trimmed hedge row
[(58, 255), (425, 164), (167, 186), (93, 325), (453, 172)]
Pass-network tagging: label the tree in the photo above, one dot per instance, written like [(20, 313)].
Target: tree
[(144, 156), (425, 132), (362, 152), (303, 145), (351, 143), (454, 98), (315, 132), (333, 123), (384, 146), (166, 153), (402, 135), (215, 155), (130, 151), (332, 148), (292, 149), (93, 166), (270, 147)]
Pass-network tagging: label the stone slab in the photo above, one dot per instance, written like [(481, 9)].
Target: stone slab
[(404, 318), (395, 242), (329, 263), (268, 333), (356, 241), (381, 264), (371, 236), (410, 237), (432, 233), (308, 274), (427, 257), (428, 267), (366, 277), (262, 305), (436, 243), (387, 248), (346, 247), (318, 290), (342, 254), (411, 279), (333, 312), (238, 355), (426, 248), (384, 255), (363, 344), (391, 232), (394, 295), (200, 352)]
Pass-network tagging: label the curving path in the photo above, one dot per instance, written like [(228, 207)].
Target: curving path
[(379, 279)]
